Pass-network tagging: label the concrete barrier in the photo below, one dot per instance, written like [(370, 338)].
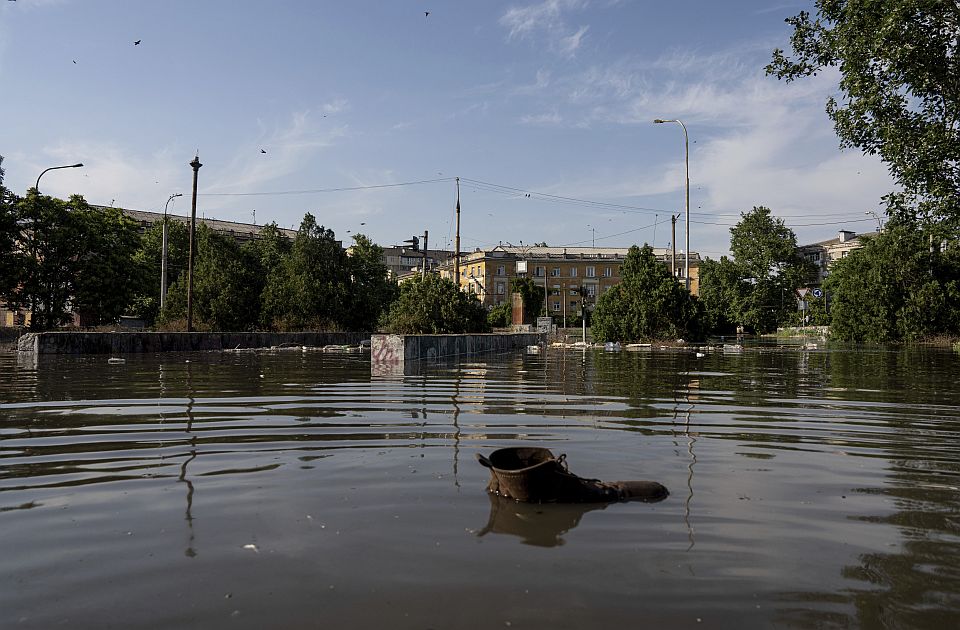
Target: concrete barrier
[(399, 349), (149, 342)]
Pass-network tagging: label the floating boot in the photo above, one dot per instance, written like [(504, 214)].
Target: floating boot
[(534, 475)]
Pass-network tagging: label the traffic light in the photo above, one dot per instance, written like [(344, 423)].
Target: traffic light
[(414, 243)]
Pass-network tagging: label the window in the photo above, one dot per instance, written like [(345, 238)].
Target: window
[(574, 304), (591, 272), (591, 290), (555, 272), (539, 272), (501, 270), (501, 288), (573, 292), (844, 254), (607, 272), (555, 292), (556, 306), (573, 272)]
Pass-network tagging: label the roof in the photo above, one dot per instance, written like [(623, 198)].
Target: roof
[(836, 240), (231, 227)]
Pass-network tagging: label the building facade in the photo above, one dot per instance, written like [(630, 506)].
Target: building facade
[(566, 273), (824, 253)]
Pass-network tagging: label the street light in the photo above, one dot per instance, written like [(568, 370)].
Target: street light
[(593, 231), (686, 249), (53, 168), (163, 255)]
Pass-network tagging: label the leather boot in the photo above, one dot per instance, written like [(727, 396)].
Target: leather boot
[(534, 475)]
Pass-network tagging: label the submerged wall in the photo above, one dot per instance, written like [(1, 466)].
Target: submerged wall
[(134, 342), (398, 349)]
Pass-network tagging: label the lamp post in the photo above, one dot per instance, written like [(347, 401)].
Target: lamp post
[(877, 217), (163, 254), (53, 168), (686, 248), (593, 232), (195, 164)]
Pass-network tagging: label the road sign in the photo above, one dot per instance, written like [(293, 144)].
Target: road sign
[(818, 293)]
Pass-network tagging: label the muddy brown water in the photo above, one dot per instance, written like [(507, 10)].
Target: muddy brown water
[(809, 489)]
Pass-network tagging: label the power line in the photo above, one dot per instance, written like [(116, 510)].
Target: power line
[(326, 190)]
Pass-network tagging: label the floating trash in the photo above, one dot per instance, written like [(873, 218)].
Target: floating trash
[(116, 361)]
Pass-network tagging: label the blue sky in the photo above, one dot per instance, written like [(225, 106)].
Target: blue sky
[(553, 98)]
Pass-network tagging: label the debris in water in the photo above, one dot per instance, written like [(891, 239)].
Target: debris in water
[(116, 361), (252, 548)]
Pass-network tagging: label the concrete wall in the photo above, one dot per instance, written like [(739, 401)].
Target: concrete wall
[(133, 342), (398, 349)]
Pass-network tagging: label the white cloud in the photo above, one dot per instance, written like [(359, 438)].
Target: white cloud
[(550, 118), (546, 20)]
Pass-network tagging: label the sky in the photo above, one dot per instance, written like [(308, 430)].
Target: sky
[(363, 112)]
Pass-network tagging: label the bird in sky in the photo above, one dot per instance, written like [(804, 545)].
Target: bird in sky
[(426, 14), (136, 43), (263, 150), (74, 61)]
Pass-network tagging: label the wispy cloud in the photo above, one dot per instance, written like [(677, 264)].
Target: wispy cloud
[(546, 20)]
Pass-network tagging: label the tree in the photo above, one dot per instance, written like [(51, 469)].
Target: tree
[(309, 290), (647, 304), (371, 290), (501, 315), (765, 250), (895, 288), (899, 63), (10, 258), (722, 291), (50, 239), (102, 289), (147, 261), (226, 285), (531, 294), (434, 305)]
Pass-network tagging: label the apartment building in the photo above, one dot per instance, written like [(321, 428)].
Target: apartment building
[(823, 253), (566, 273)]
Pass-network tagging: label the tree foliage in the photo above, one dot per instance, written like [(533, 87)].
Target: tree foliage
[(433, 305), (899, 63), (10, 258), (501, 315), (756, 289), (647, 304), (895, 288), (371, 290), (147, 262)]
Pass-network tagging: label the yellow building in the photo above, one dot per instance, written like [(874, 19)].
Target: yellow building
[(564, 272)]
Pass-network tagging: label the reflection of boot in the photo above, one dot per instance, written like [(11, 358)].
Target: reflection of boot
[(535, 475), (542, 525)]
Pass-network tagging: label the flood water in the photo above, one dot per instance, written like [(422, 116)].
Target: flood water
[(809, 489)]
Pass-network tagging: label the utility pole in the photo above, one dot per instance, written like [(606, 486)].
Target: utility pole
[(426, 235), (456, 254), (673, 245), (193, 237)]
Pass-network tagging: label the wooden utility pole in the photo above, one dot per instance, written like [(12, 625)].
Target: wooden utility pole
[(193, 237), (457, 242)]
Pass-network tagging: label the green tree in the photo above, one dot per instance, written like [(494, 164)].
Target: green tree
[(103, 287), (647, 304), (226, 286), (722, 292), (899, 63), (145, 274), (11, 260), (50, 237), (531, 294), (895, 288), (371, 289), (434, 305), (501, 315), (310, 290), (764, 249)]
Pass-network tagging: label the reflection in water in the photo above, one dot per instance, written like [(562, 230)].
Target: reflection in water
[(538, 524), (825, 492)]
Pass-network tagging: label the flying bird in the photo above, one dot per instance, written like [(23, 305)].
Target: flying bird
[(263, 150), (426, 14), (136, 43), (74, 61)]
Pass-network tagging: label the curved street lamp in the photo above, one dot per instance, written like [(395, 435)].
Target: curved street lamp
[(163, 255), (686, 248), (53, 168)]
